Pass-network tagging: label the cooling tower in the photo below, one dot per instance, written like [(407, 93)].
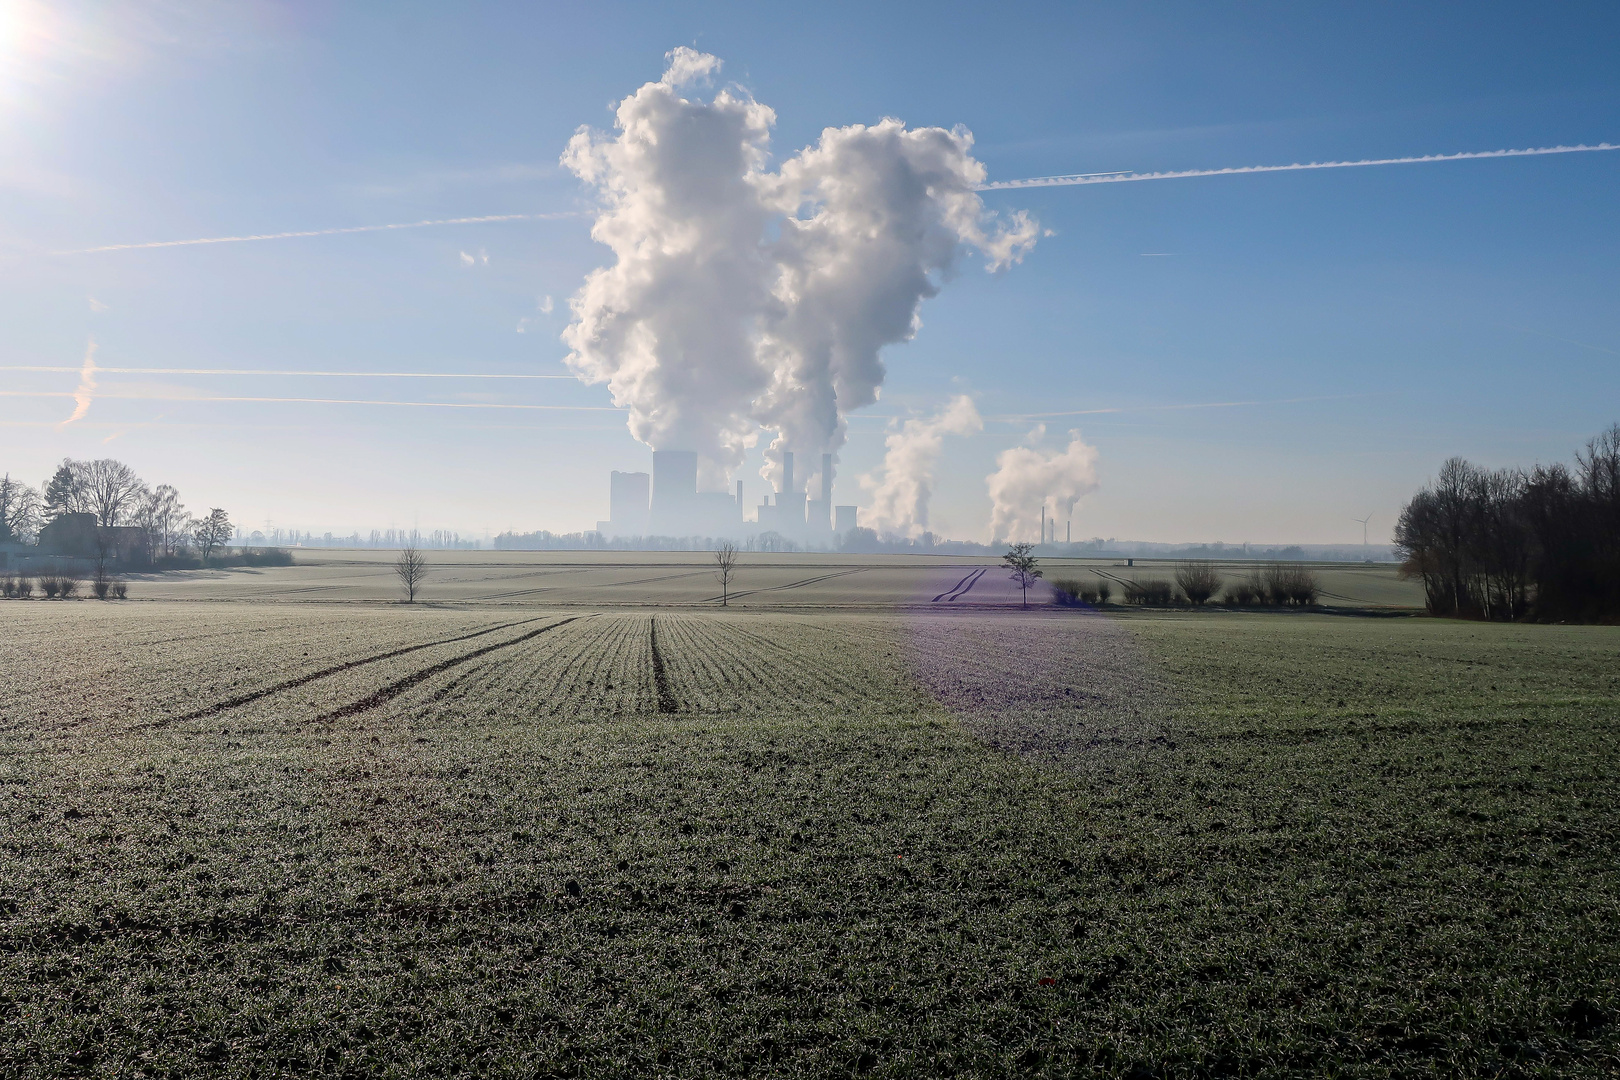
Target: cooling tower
[(628, 502), (674, 491)]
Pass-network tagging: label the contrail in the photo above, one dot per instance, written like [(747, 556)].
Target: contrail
[(318, 232), (87, 385), (271, 371), (1017, 418), (306, 401), (1128, 177)]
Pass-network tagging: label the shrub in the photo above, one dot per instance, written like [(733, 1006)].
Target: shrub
[(1105, 592), (101, 586), (120, 590), (266, 557), (1149, 592), (8, 586), (1242, 594), (1066, 592), (1284, 585), (1198, 581), (68, 586), (25, 587), (51, 585)]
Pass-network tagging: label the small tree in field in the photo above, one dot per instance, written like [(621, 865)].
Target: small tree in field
[(1024, 568), (725, 564), (410, 568), (212, 532)]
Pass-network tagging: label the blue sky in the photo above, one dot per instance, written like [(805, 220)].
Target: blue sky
[(1383, 318)]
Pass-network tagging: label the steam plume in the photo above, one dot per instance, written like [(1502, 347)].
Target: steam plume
[(1027, 479), (87, 385), (900, 497), (742, 298)]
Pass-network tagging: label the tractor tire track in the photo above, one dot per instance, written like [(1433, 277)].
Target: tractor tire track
[(290, 684), (666, 696), (960, 589), (392, 690)]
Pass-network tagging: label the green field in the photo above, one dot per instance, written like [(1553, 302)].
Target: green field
[(501, 838)]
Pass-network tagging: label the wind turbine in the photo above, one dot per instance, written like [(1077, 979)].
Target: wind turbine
[(1363, 528)]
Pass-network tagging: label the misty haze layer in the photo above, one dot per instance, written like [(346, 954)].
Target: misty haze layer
[(742, 299)]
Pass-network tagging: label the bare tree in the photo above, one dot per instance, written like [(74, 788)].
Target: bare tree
[(164, 521), (725, 562), (212, 532), (410, 568), (1024, 567), (112, 490)]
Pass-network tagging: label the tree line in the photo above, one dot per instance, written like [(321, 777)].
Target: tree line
[(1510, 544), (116, 498)]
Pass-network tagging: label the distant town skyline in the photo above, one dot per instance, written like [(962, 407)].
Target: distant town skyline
[(1268, 357)]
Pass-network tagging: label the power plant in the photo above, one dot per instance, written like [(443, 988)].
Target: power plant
[(668, 503)]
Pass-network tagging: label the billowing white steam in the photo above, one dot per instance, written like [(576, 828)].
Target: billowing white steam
[(743, 298), (900, 496), (1027, 478)]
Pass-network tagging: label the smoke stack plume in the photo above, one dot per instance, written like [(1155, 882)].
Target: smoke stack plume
[(1028, 481), (787, 473), (742, 299), (900, 496)]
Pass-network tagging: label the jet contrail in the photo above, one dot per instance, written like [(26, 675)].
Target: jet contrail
[(87, 385), (1127, 177), (318, 232), (310, 401), (1019, 418), (270, 371)]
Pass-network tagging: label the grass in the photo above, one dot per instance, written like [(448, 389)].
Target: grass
[(770, 844)]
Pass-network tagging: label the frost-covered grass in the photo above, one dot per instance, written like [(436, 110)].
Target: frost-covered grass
[(690, 844)]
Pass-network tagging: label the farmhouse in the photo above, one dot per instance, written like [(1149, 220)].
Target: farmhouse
[(77, 536)]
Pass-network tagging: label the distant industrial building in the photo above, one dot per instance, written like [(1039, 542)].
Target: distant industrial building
[(668, 503)]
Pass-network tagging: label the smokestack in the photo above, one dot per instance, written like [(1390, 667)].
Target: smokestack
[(787, 472), (739, 493)]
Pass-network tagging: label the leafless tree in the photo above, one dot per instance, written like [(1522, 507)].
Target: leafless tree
[(725, 562), (164, 520), (212, 532), (410, 568), (112, 489), (1023, 566)]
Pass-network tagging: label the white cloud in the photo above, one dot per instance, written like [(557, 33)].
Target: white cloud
[(96, 306), (546, 306), (1027, 479), (900, 495), (467, 260), (687, 66)]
